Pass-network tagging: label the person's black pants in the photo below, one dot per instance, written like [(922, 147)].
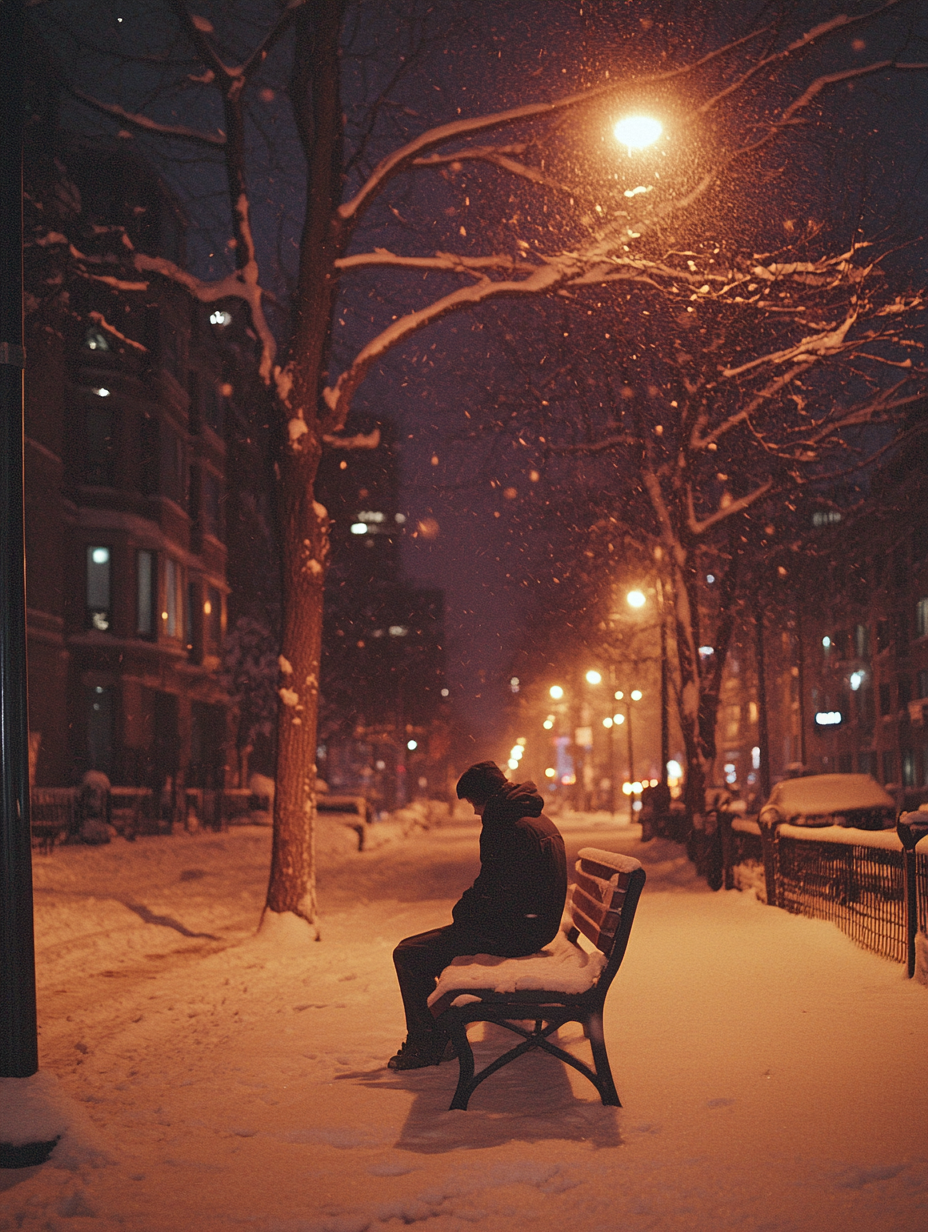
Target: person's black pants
[(419, 961)]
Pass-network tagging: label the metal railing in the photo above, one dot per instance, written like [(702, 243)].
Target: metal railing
[(857, 882)]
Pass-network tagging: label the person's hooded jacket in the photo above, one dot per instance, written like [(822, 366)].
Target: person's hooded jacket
[(517, 901)]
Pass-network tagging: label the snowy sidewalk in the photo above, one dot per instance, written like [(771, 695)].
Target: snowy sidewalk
[(772, 1074)]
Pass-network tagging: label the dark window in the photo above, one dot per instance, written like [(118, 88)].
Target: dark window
[(100, 729), (195, 410), (923, 683), (904, 687), (98, 587), (865, 763), (886, 702), (146, 590), (211, 510), (882, 635), (889, 766), (901, 632), (845, 765), (173, 467), (900, 566), (149, 451), (213, 407), (99, 447), (170, 349)]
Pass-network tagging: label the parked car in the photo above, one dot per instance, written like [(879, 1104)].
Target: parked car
[(853, 800)]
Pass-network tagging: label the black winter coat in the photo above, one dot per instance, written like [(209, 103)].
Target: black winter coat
[(517, 901)]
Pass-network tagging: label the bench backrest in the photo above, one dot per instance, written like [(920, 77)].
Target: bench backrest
[(604, 898)]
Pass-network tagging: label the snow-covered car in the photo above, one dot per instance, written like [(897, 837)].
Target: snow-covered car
[(852, 800)]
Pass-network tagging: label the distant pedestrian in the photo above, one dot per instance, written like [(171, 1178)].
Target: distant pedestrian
[(513, 908)]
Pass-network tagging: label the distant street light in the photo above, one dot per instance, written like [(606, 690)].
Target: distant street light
[(635, 598), (638, 131), (593, 677), (556, 692)]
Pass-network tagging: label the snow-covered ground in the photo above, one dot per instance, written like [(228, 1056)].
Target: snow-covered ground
[(772, 1074)]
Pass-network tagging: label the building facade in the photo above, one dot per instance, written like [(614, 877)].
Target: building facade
[(125, 486)]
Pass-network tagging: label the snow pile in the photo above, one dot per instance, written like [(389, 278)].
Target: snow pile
[(36, 1110), (560, 966), (420, 815)]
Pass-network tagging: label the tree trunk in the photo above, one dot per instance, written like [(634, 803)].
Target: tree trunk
[(304, 547), (304, 523)]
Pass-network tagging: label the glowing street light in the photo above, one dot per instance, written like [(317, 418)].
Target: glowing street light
[(638, 131), (556, 692), (594, 677), (635, 598)]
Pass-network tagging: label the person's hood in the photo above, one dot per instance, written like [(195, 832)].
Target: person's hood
[(513, 801)]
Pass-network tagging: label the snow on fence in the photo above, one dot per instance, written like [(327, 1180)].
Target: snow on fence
[(854, 878)]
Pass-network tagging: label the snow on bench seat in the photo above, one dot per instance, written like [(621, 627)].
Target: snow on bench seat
[(560, 967)]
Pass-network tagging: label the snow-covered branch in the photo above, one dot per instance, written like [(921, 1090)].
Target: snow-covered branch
[(243, 284), (727, 509), (446, 261), (338, 397), (179, 132)]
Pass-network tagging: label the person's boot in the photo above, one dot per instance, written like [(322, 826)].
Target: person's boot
[(417, 1053)]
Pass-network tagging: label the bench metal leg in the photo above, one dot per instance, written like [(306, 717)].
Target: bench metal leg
[(604, 1082)]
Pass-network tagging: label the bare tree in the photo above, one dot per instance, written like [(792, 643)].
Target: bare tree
[(560, 222)]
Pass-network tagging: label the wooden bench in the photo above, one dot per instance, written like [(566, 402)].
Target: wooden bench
[(601, 905)]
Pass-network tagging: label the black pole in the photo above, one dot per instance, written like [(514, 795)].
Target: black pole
[(665, 711), (801, 665), (19, 1054)]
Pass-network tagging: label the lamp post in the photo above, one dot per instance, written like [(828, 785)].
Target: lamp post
[(634, 696), (637, 599)]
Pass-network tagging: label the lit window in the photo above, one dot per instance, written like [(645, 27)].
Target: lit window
[(220, 317), (173, 597), (705, 651), (398, 630), (636, 695), (95, 340), (98, 582), (145, 593), (445, 692), (101, 392), (856, 680), (400, 518), (412, 745), (358, 528), (367, 516), (826, 642), (514, 684), (921, 618), (607, 722)]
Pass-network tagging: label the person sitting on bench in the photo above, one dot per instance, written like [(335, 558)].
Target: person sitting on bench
[(513, 908)]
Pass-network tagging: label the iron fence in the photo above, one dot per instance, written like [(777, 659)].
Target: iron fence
[(859, 886), (861, 889)]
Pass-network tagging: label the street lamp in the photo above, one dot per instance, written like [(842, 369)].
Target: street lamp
[(637, 131)]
